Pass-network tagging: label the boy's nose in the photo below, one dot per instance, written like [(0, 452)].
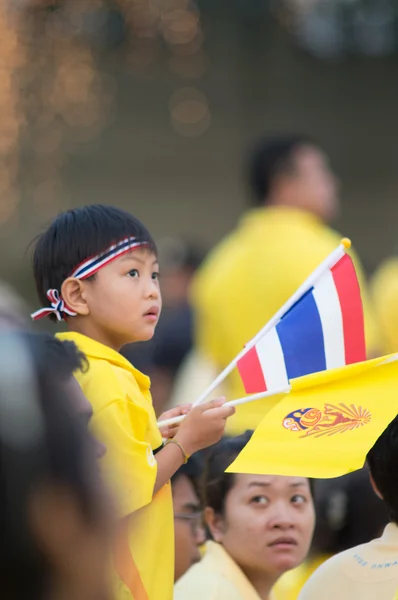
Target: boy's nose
[(153, 290)]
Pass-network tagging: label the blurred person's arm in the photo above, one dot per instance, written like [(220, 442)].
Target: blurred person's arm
[(384, 288), (195, 374)]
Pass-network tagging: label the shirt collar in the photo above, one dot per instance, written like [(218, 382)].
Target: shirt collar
[(265, 213), (93, 349), (218, 557), (390, 534)]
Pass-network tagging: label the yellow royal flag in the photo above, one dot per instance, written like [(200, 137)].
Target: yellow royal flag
[(327, 423)]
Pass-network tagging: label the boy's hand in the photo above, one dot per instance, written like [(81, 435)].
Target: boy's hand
[(169, 431), (204, 425)]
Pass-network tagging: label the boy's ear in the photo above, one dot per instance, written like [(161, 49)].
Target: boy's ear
[(72, 292)]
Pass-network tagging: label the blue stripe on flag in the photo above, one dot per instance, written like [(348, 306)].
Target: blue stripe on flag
[(301, 336)]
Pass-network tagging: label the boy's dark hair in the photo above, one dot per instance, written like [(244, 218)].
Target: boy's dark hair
[(382, 460), (56, 454), (216, 483), (76, 235), (271, 158)]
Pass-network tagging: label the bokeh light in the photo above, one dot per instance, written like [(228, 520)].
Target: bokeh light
[(189, 111)]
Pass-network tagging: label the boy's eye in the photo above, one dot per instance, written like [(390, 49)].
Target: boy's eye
[(133, 273), (156, 276)]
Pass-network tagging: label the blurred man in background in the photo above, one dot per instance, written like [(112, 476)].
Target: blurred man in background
[(189, 533), (253, 272)]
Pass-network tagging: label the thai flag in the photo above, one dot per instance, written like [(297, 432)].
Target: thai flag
[(324, 329)]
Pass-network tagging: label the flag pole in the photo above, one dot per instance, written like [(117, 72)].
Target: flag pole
[(328, 263), (237, 402)]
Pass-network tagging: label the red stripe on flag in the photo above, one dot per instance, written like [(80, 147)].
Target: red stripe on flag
[(347, 286), (251, 372)]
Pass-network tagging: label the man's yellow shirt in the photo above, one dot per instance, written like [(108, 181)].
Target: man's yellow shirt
[(124, 420), (248, 278)]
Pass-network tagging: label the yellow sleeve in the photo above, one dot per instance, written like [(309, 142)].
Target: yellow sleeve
[(129, 466)]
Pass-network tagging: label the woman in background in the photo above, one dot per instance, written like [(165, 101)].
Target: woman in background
[(260, 526)]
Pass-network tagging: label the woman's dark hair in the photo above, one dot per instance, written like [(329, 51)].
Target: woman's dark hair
[(76, 235), (382, 460), (41, 441), (216, 482)]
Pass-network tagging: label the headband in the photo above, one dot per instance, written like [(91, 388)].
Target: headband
[(85, 270)]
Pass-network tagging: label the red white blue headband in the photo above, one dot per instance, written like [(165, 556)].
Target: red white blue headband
[(85, 270)]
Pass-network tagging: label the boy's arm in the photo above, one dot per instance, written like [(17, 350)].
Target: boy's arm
[(131, 470), (169, 460), (203, 426)]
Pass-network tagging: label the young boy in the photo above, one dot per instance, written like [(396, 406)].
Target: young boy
[(96, 267)]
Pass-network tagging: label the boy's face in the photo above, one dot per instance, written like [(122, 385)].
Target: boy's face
[(124, 299)]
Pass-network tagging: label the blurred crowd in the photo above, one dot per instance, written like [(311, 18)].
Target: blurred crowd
[(236, 536)]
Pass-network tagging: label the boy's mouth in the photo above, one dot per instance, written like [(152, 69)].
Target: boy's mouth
[(152, 313)]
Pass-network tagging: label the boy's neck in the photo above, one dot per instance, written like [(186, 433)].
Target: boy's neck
[(89, 329)]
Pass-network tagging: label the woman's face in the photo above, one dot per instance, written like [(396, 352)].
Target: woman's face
[(267, 524)]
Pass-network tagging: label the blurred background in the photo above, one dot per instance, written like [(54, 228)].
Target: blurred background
[(151, 106)]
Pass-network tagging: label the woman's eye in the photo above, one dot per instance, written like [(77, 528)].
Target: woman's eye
[(156, 276), (298, 499), (260, 500), (133, 273)]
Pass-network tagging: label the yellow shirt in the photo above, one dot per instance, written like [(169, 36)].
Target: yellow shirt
[(124, 420), (368, 571), (291, 583), (248, 278), (215, 577), (385, 298)]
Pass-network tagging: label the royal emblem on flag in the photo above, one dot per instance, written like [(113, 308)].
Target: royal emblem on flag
[(334, 418)]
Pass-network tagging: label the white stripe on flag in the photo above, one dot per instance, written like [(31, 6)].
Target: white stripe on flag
[(327, 301), (270, 355)]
